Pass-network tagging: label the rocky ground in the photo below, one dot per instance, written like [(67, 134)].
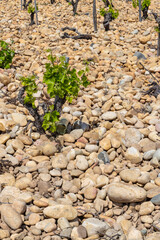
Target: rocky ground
[(102, 183)]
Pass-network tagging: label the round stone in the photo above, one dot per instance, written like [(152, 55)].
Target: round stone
[(105, 143), (144, 178), (59, 161), (34, 218), (7, 179), (49, 149), (45, 177), (109, 116), (77, 113), (146, 208), (90, 192), (4, 79), (81, 162), (102, 181), (71, 155), (132, 136), (133, 155), (91, 148)]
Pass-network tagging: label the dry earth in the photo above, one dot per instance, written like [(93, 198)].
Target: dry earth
[(103, 183)]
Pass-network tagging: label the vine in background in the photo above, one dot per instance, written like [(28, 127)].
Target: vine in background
[(144, 6)]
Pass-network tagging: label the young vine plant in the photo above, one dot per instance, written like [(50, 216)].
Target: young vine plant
[(114, 12), (31, 8), (30, 88), (6, 55), (62, 81)]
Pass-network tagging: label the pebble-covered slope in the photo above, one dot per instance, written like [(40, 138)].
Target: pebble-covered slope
[(103, 183)]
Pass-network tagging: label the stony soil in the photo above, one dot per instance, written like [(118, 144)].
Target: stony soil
[(98, 184)]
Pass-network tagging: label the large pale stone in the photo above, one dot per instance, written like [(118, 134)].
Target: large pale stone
[(69, 138), (25, 139), (94, 226), (90, 192), (134, 234), (153, 236), (59, 161), (7, 179), (78, 233), (128, 175), (10, 191), (109, 116), (17, 144), (81, 162), (19, 118), (46, 225), (26, 197), (144, 39), (77, 133), (102, 181), (91, 148), (49, 149), (11, 217), (23, 183), (34, 218), (132, 136), (59, 210), (107, 105), (125, 193)]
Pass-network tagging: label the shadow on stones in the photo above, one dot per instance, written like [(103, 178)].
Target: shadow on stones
[(4, 166)]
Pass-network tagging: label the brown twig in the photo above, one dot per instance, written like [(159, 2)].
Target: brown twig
[(79, 35), (149, 73)]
